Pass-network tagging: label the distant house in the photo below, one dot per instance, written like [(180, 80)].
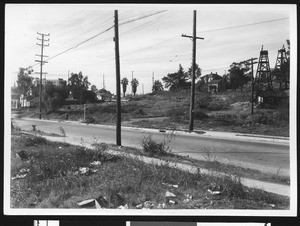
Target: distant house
[(15, 101), (104, 95), (214, 82), (55, 82), (24, 102), (215, 86)]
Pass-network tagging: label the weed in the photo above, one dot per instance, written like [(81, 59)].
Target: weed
[(208, 154), (15, 127), (62, 131), (226, 119), (200, 115), (152, 147)]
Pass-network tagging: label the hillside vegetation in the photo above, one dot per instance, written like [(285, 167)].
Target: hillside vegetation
[(226, 111)]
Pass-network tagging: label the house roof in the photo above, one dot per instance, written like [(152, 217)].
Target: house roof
[(216, 81)]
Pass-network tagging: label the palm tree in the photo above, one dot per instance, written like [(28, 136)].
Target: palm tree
[(124, 83), (134, 85)]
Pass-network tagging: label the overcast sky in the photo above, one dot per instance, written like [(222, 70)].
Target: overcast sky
[(151, 44)]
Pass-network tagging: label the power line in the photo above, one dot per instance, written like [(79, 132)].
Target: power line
[(245, 25), (142, 17), (126, 22)]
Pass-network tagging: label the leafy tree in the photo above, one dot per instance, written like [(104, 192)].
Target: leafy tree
[(134, 85), (94, 88), (78, 81), (201, 86), (239, 75), (157, 86), (124, 83), (78, 84), (176, 81), (197, 71), (24, 81)]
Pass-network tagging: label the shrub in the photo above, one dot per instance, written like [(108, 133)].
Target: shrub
[(90, 119), (263, 118), (200, 115), (176, 112), (218, 105), (203, 100), (226, 118), (154, 148)]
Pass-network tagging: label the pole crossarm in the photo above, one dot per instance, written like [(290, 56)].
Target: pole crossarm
[(188, 36)]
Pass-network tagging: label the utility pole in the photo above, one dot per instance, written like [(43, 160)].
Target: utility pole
[(131, 80), (68, 77), (103, 82), (191, 124), (252, 80), (41, 66), (143, 88), (116, 39)]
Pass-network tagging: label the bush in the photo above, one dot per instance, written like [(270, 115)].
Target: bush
[(218, 105), (154, 148), (226, 118), (265, 119), (203, 100), (200, 115), (176, 112), (90, 119)]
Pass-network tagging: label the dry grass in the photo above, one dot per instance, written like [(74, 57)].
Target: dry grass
[(53, 181)]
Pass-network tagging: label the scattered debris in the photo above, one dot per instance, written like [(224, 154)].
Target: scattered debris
[(22, 174), (171, 185), (85, 171), (123, 207), (95, 163), (272, 205), (171, 202), (187, 198), (148, 204), (117, 198), (161, 206), (87, 203), (170, 194), (214, 192), (102, 201), (140, 206)]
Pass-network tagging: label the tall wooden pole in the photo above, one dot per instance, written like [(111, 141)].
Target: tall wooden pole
[(192, 101), (191, 124), (118, 127), (252, 86)]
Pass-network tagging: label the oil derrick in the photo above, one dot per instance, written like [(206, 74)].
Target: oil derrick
[(281, 59), (263, 79)]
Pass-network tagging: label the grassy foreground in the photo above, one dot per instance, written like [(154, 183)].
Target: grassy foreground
[(58, 175)]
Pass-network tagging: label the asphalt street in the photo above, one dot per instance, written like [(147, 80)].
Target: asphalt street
[(269, 157)]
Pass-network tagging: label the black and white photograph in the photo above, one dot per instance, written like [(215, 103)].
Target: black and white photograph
[(150, 109)]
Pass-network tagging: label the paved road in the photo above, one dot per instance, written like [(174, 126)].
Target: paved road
[(267, 157)]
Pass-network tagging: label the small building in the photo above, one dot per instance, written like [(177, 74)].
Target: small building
[(215, 86), (209, 77), (104, 95), (273, 97), (55, 82), (15, 101)]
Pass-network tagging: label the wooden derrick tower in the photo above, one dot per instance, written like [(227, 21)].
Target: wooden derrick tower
[(281, 59), (263, 79)]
